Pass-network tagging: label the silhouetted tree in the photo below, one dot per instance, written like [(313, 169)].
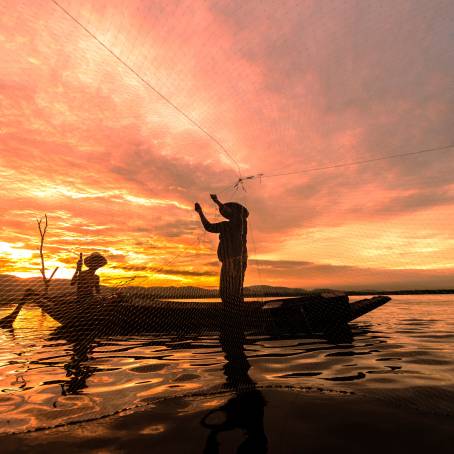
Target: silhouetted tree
[(42, 232)]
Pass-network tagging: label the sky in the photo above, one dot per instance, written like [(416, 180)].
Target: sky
[(282, 86)]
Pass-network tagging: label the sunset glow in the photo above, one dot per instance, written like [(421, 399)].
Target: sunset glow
[(287, 87)]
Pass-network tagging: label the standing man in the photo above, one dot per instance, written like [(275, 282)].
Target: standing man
[(232, 250)]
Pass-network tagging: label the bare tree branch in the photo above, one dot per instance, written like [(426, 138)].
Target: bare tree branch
[(53, 272), (42, 233)]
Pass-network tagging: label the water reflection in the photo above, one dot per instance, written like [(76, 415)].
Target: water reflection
[(245, 410), (7, 322), (78, 368), (104, 374)]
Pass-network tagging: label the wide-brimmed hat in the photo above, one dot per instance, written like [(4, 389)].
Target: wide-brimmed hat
[(233, 211), (95, 260)]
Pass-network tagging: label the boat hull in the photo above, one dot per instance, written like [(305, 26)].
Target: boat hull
[(117, 316)]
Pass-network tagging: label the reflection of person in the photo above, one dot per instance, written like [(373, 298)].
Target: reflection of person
[(78, 369), (246, 408), (87, 281), (232, 249)]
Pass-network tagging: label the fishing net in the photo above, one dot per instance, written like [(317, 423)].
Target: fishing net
[(322, 119)]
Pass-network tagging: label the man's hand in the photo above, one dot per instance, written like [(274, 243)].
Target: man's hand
[(197, 207), (79, 262)]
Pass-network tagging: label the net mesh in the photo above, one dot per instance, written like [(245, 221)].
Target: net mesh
[(117, 118)]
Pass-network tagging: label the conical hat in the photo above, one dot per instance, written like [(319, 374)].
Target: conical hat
[(234, 211), (95, 260)]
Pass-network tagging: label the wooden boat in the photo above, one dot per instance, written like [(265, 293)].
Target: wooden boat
[(309, 313), (8, 321)]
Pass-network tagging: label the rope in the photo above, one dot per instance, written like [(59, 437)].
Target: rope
[(164, 97), (254, 248), (241, 180), (364, 161), (240, 183), (219, 390)]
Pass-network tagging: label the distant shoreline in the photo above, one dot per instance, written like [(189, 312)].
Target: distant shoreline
[(12, 287), (349, 293), (401, 292)]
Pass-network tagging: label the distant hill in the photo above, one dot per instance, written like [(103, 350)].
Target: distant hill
[(12, 288), (197, 292)]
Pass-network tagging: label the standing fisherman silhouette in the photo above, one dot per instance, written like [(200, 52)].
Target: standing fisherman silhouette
[(232, 250), (87, 281)]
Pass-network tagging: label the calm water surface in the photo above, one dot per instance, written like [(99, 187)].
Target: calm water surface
[(45, 381)]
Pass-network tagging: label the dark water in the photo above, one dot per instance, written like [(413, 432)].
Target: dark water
[(44, 382)]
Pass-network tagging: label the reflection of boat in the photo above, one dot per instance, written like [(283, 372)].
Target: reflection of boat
[(308, 313)]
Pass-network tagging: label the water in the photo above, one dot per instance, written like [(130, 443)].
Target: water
[(44, 382)]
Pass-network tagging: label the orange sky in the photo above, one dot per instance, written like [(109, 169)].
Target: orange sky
[(284, 86)]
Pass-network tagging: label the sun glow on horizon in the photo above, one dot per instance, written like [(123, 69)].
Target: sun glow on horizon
[(117, 168)]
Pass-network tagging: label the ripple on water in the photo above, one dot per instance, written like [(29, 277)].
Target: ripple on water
[(46, 381), (148, 368), (300, 374), (358, 376)]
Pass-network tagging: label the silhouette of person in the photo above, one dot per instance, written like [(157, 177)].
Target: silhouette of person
[(232, 250), (88, 281)]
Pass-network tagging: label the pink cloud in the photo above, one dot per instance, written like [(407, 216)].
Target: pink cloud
[(283, 88)]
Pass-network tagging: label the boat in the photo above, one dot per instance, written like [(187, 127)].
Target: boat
[(309, 313), (8, 321)]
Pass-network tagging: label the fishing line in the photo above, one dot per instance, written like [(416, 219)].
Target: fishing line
[(240, 183), (220, 390), (352, 163), (148, 84), (195, 245), (229, 188), (166, 99), (254, 248)]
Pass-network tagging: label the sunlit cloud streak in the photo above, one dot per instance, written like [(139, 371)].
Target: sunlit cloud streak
[(286, 87)]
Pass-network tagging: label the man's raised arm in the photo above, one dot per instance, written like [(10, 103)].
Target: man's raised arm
[(207, 225)]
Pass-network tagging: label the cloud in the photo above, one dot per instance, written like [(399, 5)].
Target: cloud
[(287, 87), (169, 271), (313, 275)]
